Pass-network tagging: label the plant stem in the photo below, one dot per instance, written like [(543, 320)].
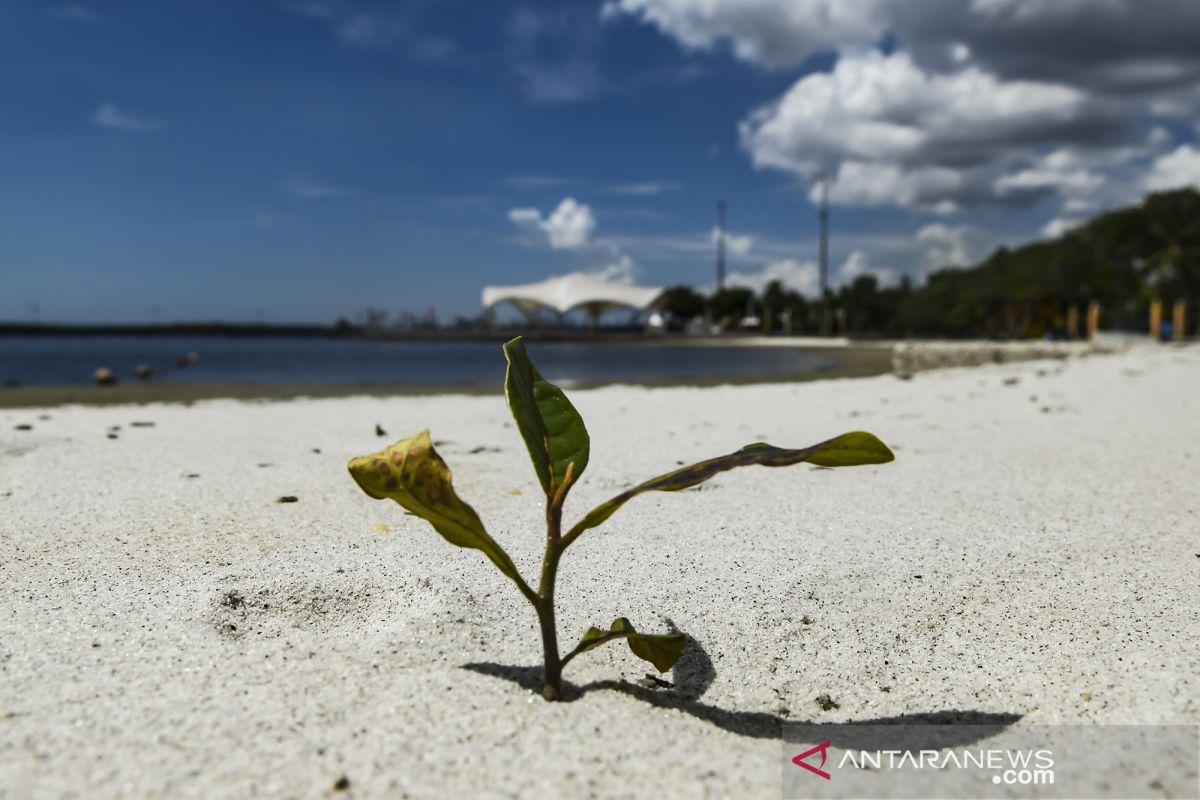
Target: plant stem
[(552, 675)]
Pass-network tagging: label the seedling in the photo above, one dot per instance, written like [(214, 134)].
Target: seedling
[(414, 475)]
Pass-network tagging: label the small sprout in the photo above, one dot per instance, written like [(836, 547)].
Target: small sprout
[(411, 473)]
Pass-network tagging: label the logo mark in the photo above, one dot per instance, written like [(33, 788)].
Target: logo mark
[(800, 762)]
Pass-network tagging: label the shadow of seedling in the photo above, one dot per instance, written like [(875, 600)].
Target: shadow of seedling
[(694, 674)]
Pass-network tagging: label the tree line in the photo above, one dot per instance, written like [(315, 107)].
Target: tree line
[(1122, 260)]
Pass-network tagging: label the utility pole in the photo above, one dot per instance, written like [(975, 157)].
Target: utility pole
[(720, 245), (823, 217)]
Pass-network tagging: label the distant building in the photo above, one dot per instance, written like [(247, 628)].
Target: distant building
[(576, 290)]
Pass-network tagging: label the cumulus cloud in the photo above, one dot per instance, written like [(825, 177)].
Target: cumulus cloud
[(1058, 226), (1111, 45), (568, 227), (1119, 46), (891, 133), (774, 33), (571, 227), (109, 116), (972, 102), (801, 276), (940, 246), (1174, 170), (858, 264), (620, 269), (1063, 171)]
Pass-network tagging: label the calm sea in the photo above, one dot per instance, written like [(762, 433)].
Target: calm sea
[(57, 361)]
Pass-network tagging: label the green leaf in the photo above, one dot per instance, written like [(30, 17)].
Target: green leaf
[(552, 428), (848, 450), (414, 475), (660, 649)]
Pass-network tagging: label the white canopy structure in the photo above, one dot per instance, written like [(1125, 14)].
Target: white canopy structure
[(575, 290)]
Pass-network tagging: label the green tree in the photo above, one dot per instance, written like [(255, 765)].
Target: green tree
[(683, 303)]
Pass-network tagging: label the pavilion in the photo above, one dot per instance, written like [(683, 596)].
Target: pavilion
[(593, 294)]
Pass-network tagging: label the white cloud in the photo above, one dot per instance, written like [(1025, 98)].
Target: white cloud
[(1174, 170), (940, 246), (735, 244), (645, 188), (774, 33), (1063, 171), (800, 276), (894, 134), (982, 101), (620, 269), (1058, 226), (569, 227), (1111, 45), (109, 116), (304, 189), (858, 183), (856, 265)]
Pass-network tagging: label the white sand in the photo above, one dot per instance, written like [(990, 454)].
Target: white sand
[(1033, 551)]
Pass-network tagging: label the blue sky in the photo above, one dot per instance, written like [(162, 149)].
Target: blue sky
[(225, 159)]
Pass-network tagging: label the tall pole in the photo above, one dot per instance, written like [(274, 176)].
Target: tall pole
[(720, 245), (823, 217)]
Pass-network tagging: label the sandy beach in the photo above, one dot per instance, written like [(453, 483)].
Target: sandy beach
[(170, 630)]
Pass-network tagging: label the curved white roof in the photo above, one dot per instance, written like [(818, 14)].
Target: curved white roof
[(575, 290)]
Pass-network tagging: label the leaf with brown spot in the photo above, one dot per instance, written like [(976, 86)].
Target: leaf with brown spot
[(848, 450), (413, 474)]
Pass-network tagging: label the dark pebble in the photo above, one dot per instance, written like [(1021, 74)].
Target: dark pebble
[(827, 703)]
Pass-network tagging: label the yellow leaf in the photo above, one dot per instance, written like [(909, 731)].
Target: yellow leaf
[(412, 473)]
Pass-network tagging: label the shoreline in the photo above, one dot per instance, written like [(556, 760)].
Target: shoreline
[(853, 361)]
